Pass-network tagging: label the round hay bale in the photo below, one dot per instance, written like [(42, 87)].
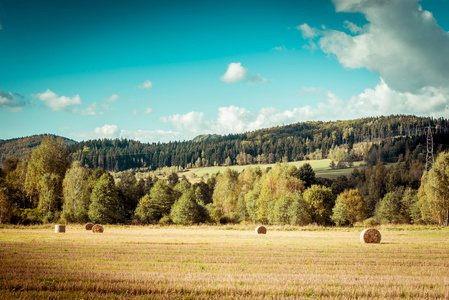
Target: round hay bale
[(261, 230), (97, 228), (88, 226), (59, 228), (370, 235)]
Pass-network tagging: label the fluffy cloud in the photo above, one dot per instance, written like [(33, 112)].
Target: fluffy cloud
[(402, 43), (146, 85), (236, 72), (107, 131), (56, 102), (148, 110), (307, 31), (11, 102), (191, 122)]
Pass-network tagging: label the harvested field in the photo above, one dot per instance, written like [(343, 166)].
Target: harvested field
[(207, 262)]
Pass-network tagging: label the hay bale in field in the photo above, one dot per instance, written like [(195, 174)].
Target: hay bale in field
[(88, 226), (261, 230), (59, 228), (370, 235), (97, 228)]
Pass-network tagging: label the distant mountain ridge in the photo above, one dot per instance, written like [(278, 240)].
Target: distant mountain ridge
[(19, 147)]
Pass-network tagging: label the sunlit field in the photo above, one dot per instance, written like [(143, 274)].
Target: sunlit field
[(223, 262), (321, 168)]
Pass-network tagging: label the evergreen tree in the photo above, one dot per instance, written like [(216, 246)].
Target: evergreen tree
[(307, 175), (106, 206)]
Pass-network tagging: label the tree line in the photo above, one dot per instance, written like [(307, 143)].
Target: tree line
[(49, 187), (306, 140)]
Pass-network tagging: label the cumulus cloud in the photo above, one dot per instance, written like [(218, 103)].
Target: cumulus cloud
[(107, 131), (11, 102), (236, 72), (56, 102), (147, 84), (148, 111), (280, 48), (402, 43), (191, 122)]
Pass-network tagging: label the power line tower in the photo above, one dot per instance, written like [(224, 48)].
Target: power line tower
[(429, 156)]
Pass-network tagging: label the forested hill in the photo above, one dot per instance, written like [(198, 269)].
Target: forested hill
[(393, 135), (19, 147)]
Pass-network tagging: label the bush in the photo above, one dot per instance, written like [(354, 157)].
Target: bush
[(371, 222)]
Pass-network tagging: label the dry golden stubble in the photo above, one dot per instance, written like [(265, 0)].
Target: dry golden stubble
[(370, 236)]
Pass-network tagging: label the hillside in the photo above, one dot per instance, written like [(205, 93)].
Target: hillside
[(392, 136), (19, 147)]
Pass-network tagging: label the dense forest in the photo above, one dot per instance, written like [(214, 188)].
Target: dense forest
[(396, 185), (21, 147), (393, 135)]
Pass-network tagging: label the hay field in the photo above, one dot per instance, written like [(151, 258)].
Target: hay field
[(321, 168), (212, 263)]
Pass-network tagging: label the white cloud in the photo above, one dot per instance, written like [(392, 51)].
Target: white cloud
[(147, 84), (191, 122), (402, 43), (148, 111), (8, 101), (56, 102), (113, 98), (149, 136), (384, 101), (307, 31), (107, 131), (353, 28), (91, 110), (235, 72), (134, 112), (1, 27)]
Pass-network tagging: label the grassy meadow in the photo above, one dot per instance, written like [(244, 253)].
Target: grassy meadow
[(321, 168), (204, 262)]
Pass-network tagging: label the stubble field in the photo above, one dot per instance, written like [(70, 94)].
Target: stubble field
[(223, 262)]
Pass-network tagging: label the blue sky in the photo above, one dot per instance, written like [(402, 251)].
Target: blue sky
[(172, 70)]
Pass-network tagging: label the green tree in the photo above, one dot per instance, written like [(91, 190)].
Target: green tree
[(186, 210), (226, 191), (51, 157), (349, 208), (145, 211), (49, 191), (130, 192), (390, 206), (162, 199), (106, 206), (298, 212), (434, 192), (76, 194), (320, 201), (307, 175)]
